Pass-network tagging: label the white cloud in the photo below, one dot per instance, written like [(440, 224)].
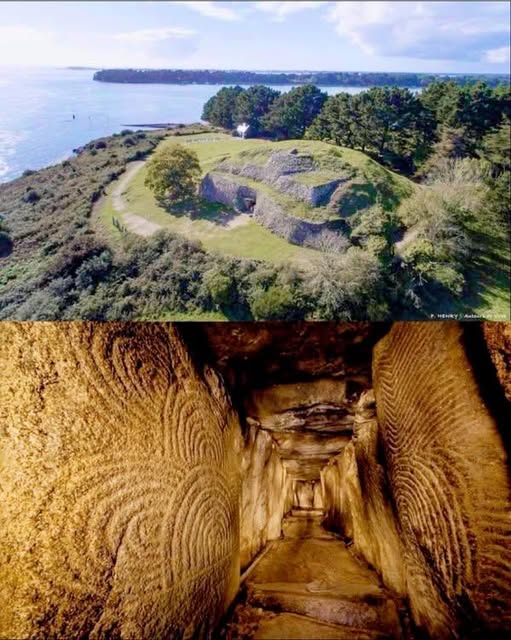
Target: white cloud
[(155, 35), (24, 44), (428, 30), (500, 55), (279, 11), (212, 10)]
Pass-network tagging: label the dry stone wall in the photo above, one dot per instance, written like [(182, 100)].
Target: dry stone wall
[(119, 485), (449, 481)]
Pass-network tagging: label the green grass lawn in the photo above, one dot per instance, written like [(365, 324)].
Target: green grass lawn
[(209, 224)]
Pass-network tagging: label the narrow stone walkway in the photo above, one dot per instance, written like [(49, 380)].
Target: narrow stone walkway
[(310, 586)]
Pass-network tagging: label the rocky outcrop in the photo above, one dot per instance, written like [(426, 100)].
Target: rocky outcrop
[(119, 485), (448, 479)]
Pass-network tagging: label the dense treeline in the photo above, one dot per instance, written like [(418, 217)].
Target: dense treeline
[(392, 124), (324, 78)]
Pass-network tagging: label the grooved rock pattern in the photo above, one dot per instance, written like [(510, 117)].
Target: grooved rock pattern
[(448, 477), (119, 484)]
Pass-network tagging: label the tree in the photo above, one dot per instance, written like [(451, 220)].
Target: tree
[(335, 122), (173, 173), (450, 146), (475, 108), (496, 147), (393, 124), (294, 111), (252, 105), (220, 109), (389, 122)]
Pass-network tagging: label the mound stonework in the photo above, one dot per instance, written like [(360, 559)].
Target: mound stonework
[(267, 211)]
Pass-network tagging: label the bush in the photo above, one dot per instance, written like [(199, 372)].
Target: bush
[(220, 287), (101, 144), (5, 244), (31, 196), (173, 173), (275, 303)]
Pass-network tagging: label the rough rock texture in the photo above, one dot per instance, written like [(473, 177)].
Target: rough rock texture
[(323, 591), (271, 215), (217, 188), (259, 354), (119, 484), (266, 493), (307, 495), (281, 170), (498, 340), (355, 498), (309, 423), (280, 173), (449, 480)]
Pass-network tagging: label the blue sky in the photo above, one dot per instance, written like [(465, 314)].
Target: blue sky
[(464, 36)]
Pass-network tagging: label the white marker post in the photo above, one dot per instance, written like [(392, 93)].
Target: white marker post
[(242, 129)]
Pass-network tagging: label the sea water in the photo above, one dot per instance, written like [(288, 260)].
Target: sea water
[(46, 113)]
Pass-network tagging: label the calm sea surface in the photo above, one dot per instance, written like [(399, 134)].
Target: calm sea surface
[(37, 106)]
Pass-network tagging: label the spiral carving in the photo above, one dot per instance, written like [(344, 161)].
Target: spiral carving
[(448, 478), (121, 490)]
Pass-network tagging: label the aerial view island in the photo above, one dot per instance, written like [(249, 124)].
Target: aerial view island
[(257, 195)]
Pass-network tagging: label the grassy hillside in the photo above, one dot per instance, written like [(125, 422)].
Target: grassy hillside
[(69, 261), (243, 237)]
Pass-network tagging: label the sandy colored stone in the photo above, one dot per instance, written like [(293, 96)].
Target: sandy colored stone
[(448, 476), (119, 484), (498, 340), (266, 493)]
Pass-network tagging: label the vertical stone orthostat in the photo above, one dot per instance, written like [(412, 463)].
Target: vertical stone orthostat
[(448, 473), (119, 484)]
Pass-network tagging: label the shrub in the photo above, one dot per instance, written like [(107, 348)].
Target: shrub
[(275, 303), (31, 196), (220, 287), (101, 144)]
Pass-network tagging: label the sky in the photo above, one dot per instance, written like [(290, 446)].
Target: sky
[(449, 37)]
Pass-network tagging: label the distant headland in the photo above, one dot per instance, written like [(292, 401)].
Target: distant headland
[(322, 78)]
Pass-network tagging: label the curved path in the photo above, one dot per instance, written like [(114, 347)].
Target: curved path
[(134, 223)]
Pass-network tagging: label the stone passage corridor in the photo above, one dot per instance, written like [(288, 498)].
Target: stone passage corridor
[(309, 585)]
